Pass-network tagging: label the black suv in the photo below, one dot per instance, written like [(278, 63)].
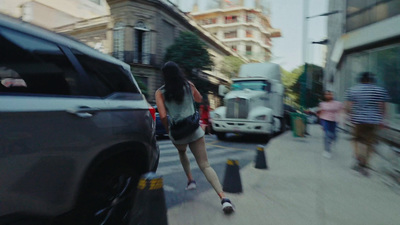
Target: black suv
[(76, 132)]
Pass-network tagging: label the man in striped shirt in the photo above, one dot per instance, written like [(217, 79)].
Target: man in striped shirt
[(366, 106)]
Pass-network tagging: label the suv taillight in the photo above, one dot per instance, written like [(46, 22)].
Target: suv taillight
[(152, 112)]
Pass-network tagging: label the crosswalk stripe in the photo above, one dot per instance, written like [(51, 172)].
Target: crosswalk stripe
[(168, 143), (173, 151), (165, 170), (211, 152)]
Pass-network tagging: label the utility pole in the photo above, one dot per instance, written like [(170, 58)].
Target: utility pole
[(303, 77), (306, 77)]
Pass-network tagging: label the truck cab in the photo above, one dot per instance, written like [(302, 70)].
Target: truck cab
[(253, 104)]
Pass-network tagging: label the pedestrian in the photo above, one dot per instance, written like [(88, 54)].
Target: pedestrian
[(328, 112), (205, 116), (365, 103), (175, 98)]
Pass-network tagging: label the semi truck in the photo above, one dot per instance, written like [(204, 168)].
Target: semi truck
[(253, 104)]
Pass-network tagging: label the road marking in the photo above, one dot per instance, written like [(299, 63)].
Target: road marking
[(169, 188), (165, 170), (212, 143), (211, 152), (226, 147)]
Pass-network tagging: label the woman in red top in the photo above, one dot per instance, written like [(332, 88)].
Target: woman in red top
[(205, 116)]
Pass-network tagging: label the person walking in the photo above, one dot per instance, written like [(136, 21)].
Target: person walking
[(175, 98), (365, 103), (328, 111), (205, 116)]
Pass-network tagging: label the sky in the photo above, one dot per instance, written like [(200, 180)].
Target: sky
[(287, 15)]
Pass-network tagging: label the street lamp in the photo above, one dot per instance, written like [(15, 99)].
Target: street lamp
[(323, 42), (306, 76), (324, 14)]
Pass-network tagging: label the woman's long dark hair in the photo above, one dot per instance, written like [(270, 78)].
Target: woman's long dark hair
[(174, 82)]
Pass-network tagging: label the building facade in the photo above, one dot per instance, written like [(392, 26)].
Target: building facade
[(50, 13), (365, 36), (137, 32), (142, 32), (245, 30)]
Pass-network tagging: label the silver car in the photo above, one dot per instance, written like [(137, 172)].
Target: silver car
[(76, 132)]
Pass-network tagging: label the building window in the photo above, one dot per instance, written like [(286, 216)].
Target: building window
[(249, 33), (248, 50), (208, 21), (361, 13), (231, 19), (230, 34), (383, 62), (118, 40), (250, 17), (168, 35), (142, 44)]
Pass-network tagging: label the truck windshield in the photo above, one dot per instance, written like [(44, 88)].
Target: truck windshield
[(255, 85)]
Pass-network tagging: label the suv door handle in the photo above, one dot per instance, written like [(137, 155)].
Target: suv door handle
[(83, 111), (83, 114)]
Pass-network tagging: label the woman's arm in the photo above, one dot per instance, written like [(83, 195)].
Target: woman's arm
[(162, 112), (196, 94), (319, 110)]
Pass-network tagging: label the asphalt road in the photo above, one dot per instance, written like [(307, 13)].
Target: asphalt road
[(242, 148)]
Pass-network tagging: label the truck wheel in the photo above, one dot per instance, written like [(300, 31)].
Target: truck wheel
[(267, 137), (283, 125), (220, 136)]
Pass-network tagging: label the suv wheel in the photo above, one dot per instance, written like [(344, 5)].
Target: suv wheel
[(107, 198)]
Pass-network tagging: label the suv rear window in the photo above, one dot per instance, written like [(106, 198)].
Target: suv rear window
[(107, 78), (34, 66)]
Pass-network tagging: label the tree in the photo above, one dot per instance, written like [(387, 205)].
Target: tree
[(191, 54), (289, 81), (313, 95), (231, 65), (142, 85)]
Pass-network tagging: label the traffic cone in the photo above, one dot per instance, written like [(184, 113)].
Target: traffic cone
[(232, 182), (150, 207), (261, 162)]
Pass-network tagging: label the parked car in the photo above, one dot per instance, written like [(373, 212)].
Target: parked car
[(76, 132), (160, 129)]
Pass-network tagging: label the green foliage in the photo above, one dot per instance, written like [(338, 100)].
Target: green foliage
[(191, 54), (314, 95), (231, 65), (289, 80), (142, 86)]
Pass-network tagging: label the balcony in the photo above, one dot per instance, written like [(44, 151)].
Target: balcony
[(136, 57)]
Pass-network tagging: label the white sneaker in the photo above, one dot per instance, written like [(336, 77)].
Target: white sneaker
[(191, 185), (227, 206), (327, 155)]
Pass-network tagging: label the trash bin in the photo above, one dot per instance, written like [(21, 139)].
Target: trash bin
[(298, 123)]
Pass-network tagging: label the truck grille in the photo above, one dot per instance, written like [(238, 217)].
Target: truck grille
[(237, 108)]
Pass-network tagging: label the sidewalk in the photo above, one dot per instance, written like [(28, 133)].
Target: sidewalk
[(301, 188)]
